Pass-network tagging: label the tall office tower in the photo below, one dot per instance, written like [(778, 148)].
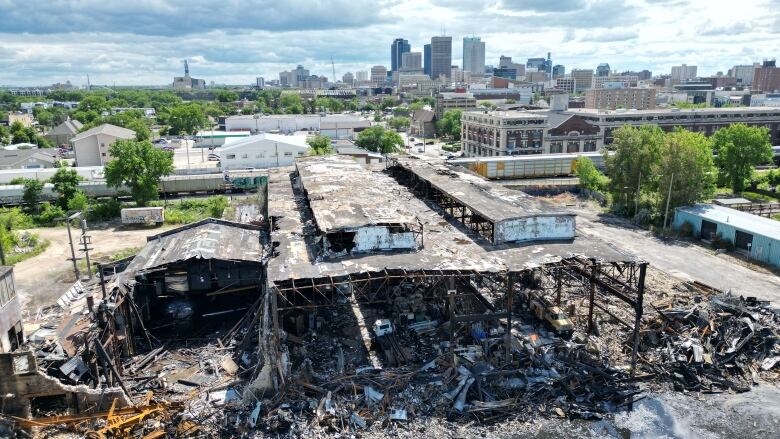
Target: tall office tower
[(427, 59), (441, 57), (474, 55), (411, 61), (397, 49)]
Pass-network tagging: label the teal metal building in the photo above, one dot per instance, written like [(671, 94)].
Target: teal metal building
[(759, 237)]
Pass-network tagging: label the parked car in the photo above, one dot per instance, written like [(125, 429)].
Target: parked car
[(213, 157), (418, 144)]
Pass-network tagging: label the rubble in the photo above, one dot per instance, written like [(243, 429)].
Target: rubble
[(245, 332)]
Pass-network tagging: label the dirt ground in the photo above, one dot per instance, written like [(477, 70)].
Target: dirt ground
[(42, 279)]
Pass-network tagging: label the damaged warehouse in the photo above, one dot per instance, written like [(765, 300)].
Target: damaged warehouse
[(303, 328)]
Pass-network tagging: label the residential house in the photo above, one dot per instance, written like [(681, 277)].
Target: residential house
[(91, 146), (62, 133), (28, 158), (423, 124)]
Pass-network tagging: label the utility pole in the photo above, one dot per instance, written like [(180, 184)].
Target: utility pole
[(85, 242), (73, 257), (668, 197)]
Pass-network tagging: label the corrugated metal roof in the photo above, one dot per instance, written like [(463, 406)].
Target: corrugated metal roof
[(741, 220), (207, 239)]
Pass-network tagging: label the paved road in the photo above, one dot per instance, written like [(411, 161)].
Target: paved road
[(683, 260)]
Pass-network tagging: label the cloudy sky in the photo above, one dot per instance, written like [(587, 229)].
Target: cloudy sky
[(139, 42)]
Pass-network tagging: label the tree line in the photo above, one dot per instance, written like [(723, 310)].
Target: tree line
[(650, 169)]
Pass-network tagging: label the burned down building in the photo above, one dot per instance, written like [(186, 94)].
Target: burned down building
[(207, 269), (328, 319)]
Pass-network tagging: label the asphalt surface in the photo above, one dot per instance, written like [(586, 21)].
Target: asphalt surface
[(682, 259)]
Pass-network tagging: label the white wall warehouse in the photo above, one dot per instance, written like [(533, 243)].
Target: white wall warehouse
[(262, 151)]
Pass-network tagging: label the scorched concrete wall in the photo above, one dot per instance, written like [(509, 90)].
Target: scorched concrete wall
[(535, 228), (379, 238)]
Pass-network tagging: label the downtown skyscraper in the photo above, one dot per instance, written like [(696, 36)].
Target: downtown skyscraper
[(474, 55), (441, 57), (397, 49)]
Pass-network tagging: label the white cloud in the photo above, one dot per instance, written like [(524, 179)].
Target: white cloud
[(144, 42)]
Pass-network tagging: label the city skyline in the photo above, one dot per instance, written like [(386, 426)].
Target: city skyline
[(233, 43)]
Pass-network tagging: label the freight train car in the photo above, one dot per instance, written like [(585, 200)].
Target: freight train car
[(171, 185), (528, 166)]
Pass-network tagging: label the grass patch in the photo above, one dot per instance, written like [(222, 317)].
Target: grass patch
[(758, 198), (190, 211)]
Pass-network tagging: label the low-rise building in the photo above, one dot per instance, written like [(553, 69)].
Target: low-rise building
[(28, 158), (613, 98), (504, 133), (264, 150), (756, 236), (423, 124), (498, 133), (337, 127), (454, 101), (702, 120), (62, 133), (91, 147)]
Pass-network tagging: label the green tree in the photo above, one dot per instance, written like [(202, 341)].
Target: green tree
[(740, 148), (399, 123), (377, 139), (590, 177), (449, 124), (139, 166), (414, 106), (66, 183), (686, 163), (320, 145), (227, 96), (79, 201), (388, 102), (291, 103), (186, 119), (637, 153), (32, 193)]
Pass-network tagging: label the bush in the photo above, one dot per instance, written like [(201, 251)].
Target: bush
[(79, 201), (14, 219), (104, 210), (49, 214), (216, 206), (190, 211)]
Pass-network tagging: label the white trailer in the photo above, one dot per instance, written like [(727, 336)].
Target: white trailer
[(143, 215)]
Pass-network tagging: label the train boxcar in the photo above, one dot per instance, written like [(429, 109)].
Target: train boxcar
[(172, 185), (528, 166)]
